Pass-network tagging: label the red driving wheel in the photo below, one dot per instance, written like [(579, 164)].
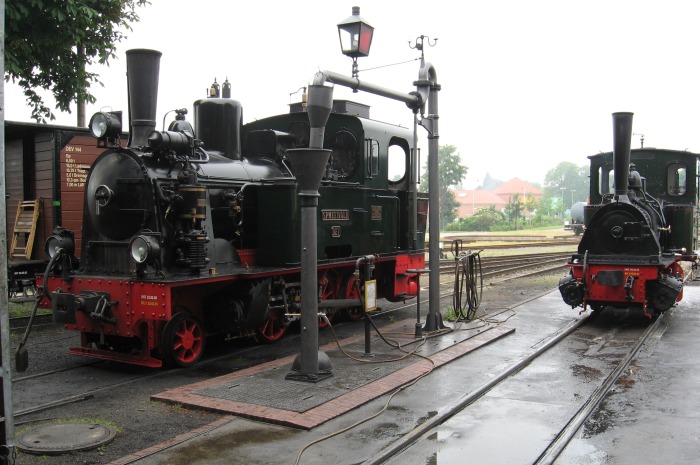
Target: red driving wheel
[(273, 328), (351, 292), (182, 340), (329, 290)]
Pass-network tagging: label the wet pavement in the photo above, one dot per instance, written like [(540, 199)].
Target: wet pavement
[(652, 408), (653, 414)]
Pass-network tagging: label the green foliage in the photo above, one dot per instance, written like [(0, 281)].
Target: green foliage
[(568, 182), (49, 44), (490, 219), (450, 314), (451, 171), (485, 219), (514, 210)]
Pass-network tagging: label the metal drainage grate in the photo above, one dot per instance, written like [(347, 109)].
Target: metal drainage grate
[(64, 438)]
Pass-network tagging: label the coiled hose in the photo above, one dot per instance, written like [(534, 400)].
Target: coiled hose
[(468, 285)]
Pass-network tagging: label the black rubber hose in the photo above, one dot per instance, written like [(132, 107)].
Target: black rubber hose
[(468, 286), (51, 264)]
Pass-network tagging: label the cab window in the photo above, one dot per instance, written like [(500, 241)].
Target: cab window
[(676, 179), (397, 162), (606, 179)]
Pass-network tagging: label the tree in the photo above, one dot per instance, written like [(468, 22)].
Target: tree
[(50, 43), (568, 182), (514, 209), (490, 183), (451, 171)]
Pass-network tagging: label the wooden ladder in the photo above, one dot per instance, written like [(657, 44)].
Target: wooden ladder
[(25, 228)]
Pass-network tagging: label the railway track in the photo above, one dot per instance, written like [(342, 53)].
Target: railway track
[(451, 419), (497, 266)]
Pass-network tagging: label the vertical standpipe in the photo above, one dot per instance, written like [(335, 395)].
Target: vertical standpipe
[(308, 166), (142, 70), (622, 141)]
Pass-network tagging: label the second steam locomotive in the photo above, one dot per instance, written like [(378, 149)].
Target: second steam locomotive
[(193, 231), (635, 240)]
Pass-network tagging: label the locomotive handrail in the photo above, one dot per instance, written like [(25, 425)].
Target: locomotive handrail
[(331, 182), (202, 152)]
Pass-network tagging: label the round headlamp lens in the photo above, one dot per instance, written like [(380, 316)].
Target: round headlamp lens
[(98, 125), (60, 241), (143, 249), (53, 245), (104, 125)]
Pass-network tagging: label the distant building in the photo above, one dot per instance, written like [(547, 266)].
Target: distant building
[(517, 186), (470, 201)]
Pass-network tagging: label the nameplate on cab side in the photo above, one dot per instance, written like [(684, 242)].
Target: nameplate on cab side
[(335, 215)]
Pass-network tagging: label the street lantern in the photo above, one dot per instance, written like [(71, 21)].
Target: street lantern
[(355, 37)]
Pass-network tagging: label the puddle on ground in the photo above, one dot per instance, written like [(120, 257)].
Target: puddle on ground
[(206, 452), (455, 440)]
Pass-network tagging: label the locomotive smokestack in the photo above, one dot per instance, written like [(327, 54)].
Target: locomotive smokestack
[(622, 141), (142, 69)]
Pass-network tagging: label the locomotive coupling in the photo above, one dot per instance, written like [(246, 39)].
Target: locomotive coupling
[(96, 304)]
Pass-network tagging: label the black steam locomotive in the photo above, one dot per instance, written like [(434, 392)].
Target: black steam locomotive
[(638, 229), (196, 230)]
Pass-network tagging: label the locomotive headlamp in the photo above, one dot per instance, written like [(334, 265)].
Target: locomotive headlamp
[(143, 249), (105, 125), (355, 35), (61, 239)]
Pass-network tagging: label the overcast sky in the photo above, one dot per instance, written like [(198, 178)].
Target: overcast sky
[(525, 84)]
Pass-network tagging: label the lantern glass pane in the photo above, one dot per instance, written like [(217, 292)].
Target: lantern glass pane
[(365, 39)]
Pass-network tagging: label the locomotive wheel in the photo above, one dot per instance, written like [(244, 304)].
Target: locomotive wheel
[(182, 340), (329, 290), (351, 292), (273, 328)]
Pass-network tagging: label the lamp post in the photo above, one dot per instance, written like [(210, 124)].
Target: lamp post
[(572, 197), (355, 37), (563, 207)]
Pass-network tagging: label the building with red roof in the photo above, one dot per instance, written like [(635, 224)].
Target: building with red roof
[(508, 189), (470, 201)]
